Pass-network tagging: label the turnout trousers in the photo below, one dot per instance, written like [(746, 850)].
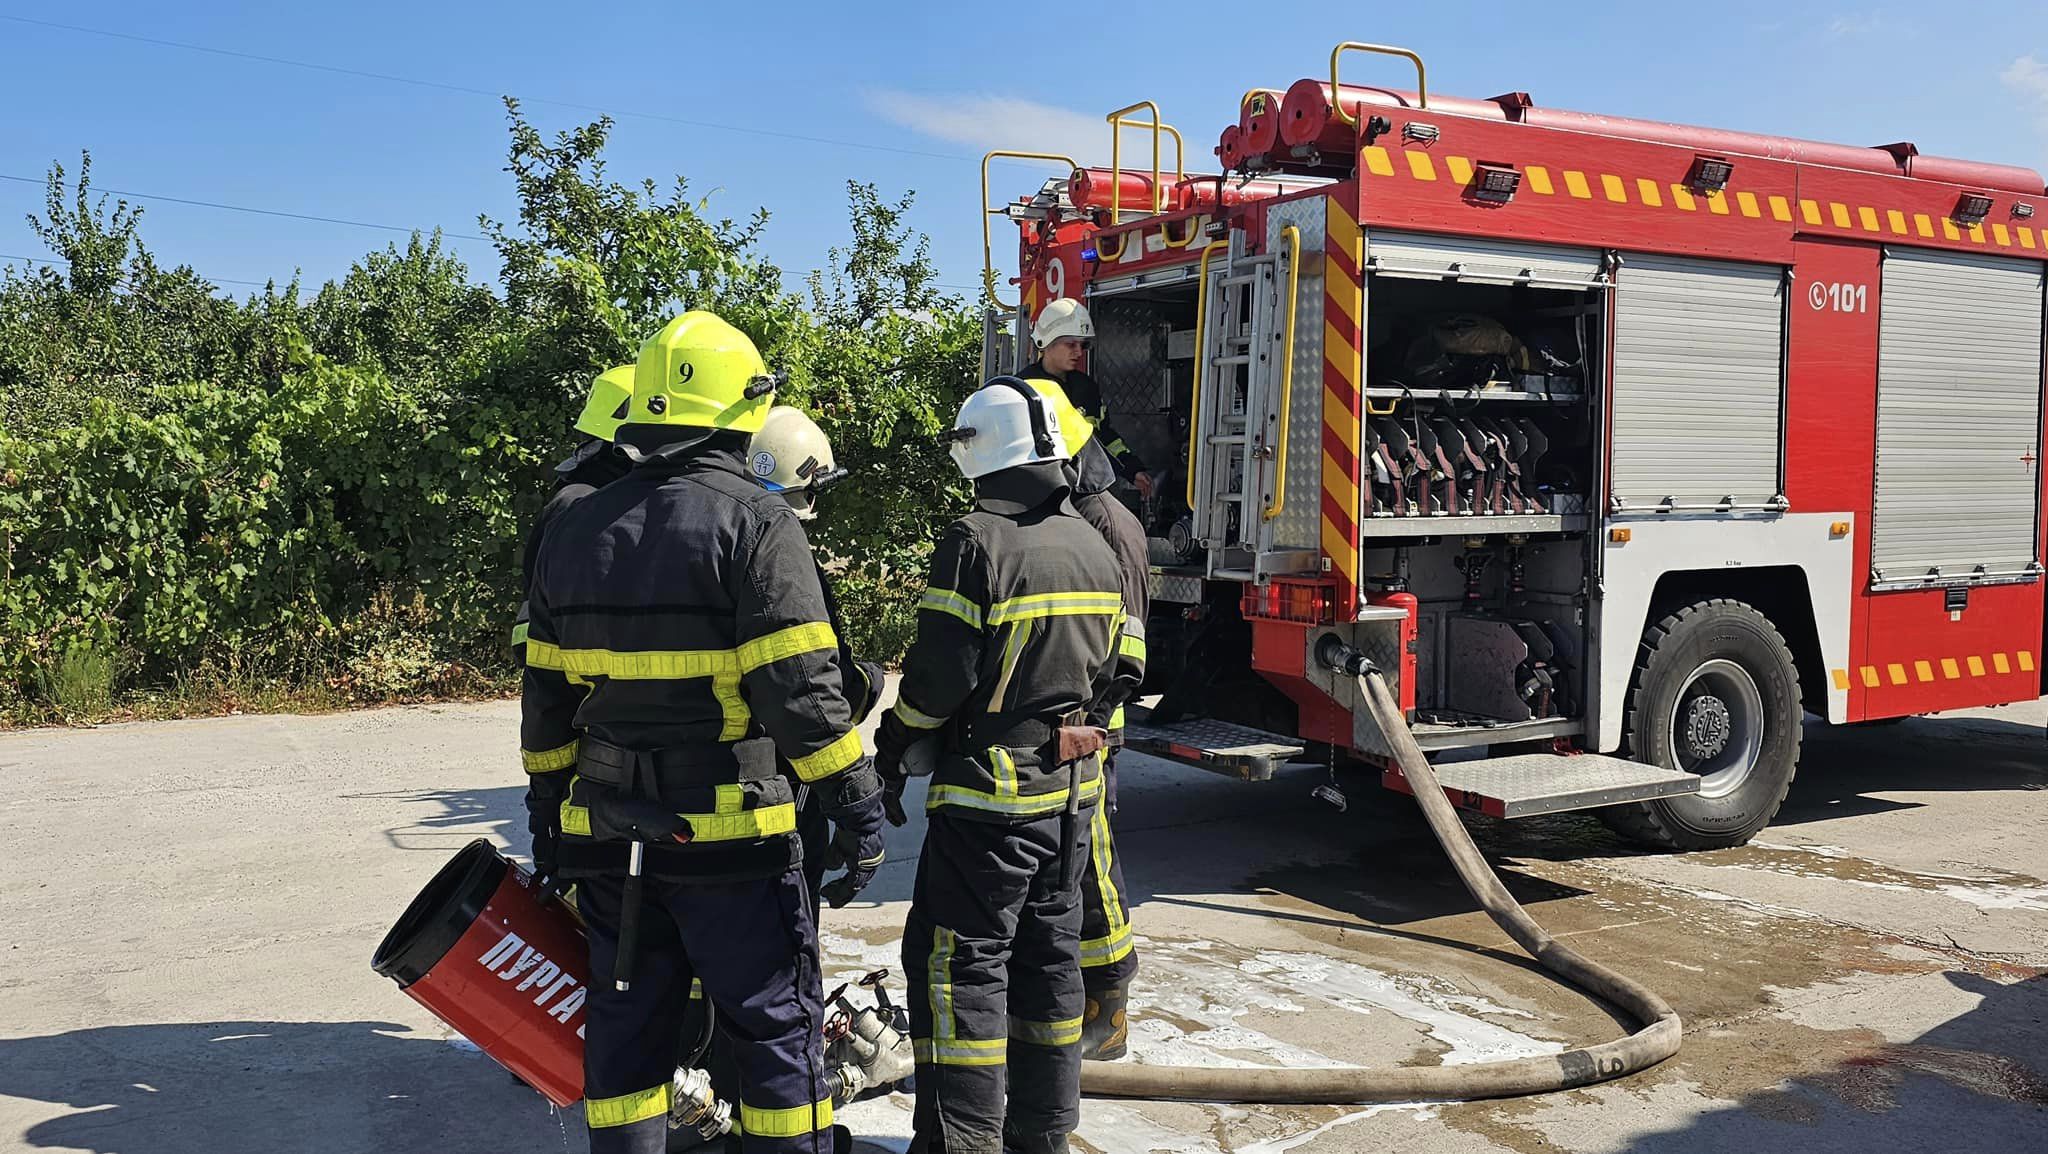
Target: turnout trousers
[(1109, 957), (992, 954), (753, 948)]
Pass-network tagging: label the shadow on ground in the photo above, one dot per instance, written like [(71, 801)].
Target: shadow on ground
[(1984, 1066), (263, 1087)]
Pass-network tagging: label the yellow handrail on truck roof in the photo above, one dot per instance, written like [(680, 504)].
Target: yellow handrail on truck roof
[(1337, 87), (988, 256)]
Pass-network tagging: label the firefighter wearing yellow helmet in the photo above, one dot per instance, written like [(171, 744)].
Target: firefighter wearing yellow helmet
[(1063, 334), (1109, 958), (680, 652), (595, 463)]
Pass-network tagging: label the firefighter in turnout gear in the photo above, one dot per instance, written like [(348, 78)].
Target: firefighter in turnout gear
[(597, 462), (1109, 957), (1016, 638), (1063, 333), (792, 456), (679, 645)]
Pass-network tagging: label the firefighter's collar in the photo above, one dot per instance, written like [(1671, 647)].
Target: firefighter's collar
[(1018, 490)]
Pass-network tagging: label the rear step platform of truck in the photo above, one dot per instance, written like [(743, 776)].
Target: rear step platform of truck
[(1524, 785), (1529, 784), (1217, 746)]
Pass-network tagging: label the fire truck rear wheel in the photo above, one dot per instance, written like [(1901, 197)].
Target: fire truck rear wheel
[(1715, 693)]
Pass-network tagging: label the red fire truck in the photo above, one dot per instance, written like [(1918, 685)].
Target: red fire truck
[(1620, 445)]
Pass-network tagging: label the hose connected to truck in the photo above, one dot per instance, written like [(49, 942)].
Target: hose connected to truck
[(1656, 1040)]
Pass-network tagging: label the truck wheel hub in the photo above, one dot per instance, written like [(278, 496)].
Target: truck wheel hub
[(1707, 726)]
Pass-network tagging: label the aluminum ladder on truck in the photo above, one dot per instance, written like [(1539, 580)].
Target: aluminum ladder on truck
[(1235, 453)]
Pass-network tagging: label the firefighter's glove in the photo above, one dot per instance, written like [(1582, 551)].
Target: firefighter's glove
[(616, 817), (853, 800), (892, 803), (544, 795)]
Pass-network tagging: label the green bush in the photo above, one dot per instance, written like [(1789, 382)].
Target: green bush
[(245, 499)]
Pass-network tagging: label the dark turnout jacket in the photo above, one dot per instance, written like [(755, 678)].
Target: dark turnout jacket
[(679, 609), (1125, 536), (1087, 397), (1017, 628)]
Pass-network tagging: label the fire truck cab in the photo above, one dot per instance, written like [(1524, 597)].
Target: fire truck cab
[(1619, 446)]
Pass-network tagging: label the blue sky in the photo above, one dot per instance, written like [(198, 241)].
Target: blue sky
[(936, 83)]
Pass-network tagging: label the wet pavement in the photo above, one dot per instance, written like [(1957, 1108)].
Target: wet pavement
[(188, 968)]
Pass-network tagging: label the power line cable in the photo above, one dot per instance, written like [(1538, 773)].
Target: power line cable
[(257, 211), (392, 78), (32, 260)]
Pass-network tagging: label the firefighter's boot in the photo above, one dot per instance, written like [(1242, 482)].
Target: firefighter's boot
[(1105, 1032)]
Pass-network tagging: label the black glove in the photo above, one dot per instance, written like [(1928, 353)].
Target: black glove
[(853, 800), (892, 802), (544, 795), (871, 676)]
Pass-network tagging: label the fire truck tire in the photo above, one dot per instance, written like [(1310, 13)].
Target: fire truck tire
[(1715, 692)]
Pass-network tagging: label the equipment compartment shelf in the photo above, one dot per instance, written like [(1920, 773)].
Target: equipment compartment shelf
[(1473, 526), (1468, 396)]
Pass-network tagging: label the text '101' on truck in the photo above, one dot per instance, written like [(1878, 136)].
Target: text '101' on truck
[(1619, 445)]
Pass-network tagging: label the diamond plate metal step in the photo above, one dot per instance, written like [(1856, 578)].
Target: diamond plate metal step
[(1232, 750), (1537, 783)]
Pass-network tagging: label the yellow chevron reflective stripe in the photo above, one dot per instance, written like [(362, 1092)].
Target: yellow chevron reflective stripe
[(794, 641), (785, 1122), (914, 717), (626, 1109), (1055, 605), (947, 601), (549, 760), (1028, 806), (1061, 1033), (831, 759)]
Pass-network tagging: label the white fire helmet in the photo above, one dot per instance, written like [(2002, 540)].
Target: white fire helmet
[(1006, 423), (791, 456), (1062, 318)]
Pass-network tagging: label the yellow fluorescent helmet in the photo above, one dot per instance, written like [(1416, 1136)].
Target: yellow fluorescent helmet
[(700, 371), (1075, 429), (605, 409)]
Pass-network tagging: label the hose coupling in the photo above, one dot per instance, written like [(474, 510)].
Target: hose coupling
[(1342, 658)]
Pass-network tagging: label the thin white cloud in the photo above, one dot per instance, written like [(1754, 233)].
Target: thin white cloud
[(1865, 25), (985, 123), (2027, 79)]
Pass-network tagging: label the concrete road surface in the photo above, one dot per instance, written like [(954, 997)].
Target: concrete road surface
[(191, 907)]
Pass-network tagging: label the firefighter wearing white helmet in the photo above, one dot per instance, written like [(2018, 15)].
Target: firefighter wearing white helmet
[(792, 456), (1063, 333), (1017, 632), (679, 651)]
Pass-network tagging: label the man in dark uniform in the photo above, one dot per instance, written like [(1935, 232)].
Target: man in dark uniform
[(597, 462), (1016, 638), (678, 644), (1109, 955), (1063, 333)]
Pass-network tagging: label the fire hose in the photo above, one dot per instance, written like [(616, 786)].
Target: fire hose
[(1656, 1040)]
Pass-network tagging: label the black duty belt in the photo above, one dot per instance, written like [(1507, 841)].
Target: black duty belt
[(694, 766), (1022, 733)]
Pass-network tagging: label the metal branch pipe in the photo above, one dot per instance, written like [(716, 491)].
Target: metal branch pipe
[(1656, 1040)]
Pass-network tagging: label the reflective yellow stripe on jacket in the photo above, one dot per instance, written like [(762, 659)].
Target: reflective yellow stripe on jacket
[(724, 667), (1009, 805), (549, 760), (784, 1122)]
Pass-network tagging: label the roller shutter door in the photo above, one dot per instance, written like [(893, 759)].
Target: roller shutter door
[(1414, 254), (1697, 371), (1958, 418)]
